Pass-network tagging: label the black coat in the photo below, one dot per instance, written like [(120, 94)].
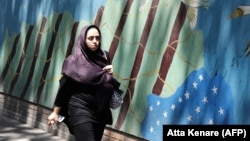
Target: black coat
[(90, 104)]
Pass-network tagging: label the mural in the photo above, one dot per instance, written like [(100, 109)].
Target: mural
[(179, 61)]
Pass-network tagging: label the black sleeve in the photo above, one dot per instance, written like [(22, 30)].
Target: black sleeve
[(62, 98), (63, 93)]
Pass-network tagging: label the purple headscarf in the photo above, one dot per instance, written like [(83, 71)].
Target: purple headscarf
[(85, 66)]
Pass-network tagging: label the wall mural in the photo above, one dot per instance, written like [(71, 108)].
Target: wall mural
[(179, 61)]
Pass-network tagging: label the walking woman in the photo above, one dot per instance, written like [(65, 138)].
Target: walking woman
[(85, 88)]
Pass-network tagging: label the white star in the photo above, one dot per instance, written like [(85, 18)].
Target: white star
[(201, 77), (204, 100), (180, 100), (173, 107), (187, 95), (151, 108), (158, 122), (151, 129), (214, 90), (165, 114), (195, 85), (198, 109), (158, 103), (211, 121), (189, 118), (221, 111)]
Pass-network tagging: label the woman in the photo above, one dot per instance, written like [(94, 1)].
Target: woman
[(86, 88)]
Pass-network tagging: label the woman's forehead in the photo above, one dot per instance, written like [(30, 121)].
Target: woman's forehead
[(92, 31)]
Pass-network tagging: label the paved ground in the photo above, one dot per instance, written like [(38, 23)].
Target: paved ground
[(12, 130)]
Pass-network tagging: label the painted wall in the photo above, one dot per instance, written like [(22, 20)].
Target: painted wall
[(179, 61)]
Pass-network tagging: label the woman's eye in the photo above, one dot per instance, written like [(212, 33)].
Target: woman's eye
[(97, 38), (92, 38)]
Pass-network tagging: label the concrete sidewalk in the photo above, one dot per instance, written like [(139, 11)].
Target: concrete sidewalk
[(12, 130)]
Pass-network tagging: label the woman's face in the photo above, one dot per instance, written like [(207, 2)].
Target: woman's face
[(92, 39)]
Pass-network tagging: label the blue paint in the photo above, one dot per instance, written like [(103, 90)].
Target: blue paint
[(225, 41), (15, 12)]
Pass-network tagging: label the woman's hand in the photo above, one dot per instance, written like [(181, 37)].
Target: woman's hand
[(52, 118), (109, 69)]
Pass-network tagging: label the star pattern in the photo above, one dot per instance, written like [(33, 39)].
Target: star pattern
[(196, 101)]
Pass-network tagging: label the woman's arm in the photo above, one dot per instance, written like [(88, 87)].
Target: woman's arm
[(53, 117), (61, 99)]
